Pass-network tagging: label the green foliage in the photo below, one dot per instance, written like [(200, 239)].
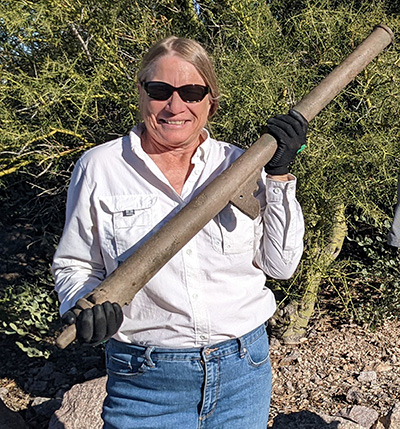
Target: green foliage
[(68, 82), (32, 314), (372, 268), (353, 151), (252, 67)]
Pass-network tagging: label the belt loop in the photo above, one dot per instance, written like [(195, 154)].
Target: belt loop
[(147, 353), (242, 348)]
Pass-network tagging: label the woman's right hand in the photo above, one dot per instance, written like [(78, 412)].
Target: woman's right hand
[(96, 324)]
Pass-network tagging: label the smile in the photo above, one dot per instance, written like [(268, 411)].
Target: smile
[(173, 122)]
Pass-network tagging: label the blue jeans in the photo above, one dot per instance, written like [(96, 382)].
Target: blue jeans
[(224, 386)]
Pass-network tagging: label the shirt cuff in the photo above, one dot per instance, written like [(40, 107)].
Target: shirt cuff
[(278, 190)]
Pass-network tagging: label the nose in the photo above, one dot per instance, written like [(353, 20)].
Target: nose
[(175, 103)]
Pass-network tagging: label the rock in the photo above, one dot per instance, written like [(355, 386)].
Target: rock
[(289, 386), (274, 343), (73, 370), (364, 416), (290, 358), (59, 378), (354, 396), (366, 376), (392, 419), (92, 373), (36, 386), (383, 367), (10, 419), (46, 371), (3, 392), (45, 406), (81, 406), (338, 422)]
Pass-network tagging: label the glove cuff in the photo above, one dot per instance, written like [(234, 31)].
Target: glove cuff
[(278, 170)]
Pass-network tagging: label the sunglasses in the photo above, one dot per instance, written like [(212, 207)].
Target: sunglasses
[(163, 91)]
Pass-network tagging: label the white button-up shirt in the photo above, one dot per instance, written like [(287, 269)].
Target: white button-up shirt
[(210, 291)]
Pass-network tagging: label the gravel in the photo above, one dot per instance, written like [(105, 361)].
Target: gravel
[(337, 366), (333, 368)]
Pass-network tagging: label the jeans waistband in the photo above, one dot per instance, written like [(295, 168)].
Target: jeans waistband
[(208, 352)]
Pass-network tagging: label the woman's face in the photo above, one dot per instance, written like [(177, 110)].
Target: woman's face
[(174, 123)]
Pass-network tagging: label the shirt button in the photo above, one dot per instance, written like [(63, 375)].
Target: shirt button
[(203, 337), (195, 296), (189, 251)]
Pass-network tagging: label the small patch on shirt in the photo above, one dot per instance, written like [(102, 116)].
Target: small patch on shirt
[(128, 212)]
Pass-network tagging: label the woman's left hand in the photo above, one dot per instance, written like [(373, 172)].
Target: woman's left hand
[(290, 133)]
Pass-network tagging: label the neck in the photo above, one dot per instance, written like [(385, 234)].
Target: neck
[(174, 162), (182, 153)]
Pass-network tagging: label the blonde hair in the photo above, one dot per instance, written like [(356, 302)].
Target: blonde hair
[(190, 51)]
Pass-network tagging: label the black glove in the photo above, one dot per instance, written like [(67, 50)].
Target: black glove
[(290, 133), (97, 324)]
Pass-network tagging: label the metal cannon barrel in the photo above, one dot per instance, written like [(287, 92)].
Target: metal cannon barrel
[(235, 185)]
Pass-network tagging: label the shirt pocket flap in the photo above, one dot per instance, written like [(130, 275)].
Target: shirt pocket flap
[(126, 203), (129, 211)]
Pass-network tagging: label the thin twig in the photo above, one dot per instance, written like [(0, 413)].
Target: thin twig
[(81, 41)]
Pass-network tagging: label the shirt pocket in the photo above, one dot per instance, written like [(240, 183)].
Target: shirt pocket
[(235, 232), (130, 218)]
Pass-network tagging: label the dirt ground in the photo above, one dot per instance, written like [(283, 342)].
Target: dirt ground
[(335, 366)]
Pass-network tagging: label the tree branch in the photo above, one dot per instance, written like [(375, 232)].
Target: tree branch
[(81, 41)]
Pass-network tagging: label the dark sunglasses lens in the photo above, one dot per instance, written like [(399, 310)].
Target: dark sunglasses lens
[(158, 90), (192, 93), (188, 93)]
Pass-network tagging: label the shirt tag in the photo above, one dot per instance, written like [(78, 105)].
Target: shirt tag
[(128, 212)]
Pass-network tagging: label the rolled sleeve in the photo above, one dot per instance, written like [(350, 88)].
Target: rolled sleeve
[(281, 246)]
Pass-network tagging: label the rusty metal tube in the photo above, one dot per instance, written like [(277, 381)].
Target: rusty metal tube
[(236, 184)]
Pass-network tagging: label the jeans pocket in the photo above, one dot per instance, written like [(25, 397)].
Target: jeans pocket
[(258, 352), (125, 365)]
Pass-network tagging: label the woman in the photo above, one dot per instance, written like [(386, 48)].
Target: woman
[(190, 350)]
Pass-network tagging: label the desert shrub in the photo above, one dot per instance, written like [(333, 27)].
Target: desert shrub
[(68, 83)]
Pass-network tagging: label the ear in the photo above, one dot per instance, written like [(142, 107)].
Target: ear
[(213, 108), (141, 92), (210, 107), (141, 97)]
